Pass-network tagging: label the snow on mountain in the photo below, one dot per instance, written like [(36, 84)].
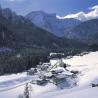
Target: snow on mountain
[(82, 16), (51, 22)]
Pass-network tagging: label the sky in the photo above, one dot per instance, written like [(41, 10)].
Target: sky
[(60, 7)]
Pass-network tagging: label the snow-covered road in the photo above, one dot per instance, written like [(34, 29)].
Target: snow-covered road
[(10, 84)]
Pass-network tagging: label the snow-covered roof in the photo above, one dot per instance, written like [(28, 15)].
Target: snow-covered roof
[(58, 69), (61, 70)]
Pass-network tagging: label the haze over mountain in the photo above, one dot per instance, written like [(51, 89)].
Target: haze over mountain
[(86, 32), (16, 31), (51, 23), (81, 26)]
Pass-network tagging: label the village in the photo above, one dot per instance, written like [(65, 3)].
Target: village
[(56, 73)]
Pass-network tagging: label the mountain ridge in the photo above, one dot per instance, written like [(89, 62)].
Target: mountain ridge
[(69, 28), (51, 23), (16, 31), (85, 32)]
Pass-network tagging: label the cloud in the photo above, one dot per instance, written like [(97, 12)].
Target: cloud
[(82, 16)]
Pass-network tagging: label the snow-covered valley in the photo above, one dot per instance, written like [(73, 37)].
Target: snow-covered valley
[(11, 86)]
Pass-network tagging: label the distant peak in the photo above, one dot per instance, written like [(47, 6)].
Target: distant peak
[(42, 13)]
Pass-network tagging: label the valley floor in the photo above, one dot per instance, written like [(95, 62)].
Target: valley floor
[(12, 86)]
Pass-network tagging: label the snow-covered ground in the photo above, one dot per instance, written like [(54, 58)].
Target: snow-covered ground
[(11, 86), (87, 65)]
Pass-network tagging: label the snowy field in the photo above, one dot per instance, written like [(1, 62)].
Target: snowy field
[(12, 86)]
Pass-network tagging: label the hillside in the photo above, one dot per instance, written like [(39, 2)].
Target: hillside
[(73, 29), (16, 32), (86, 32), (52, 23), (19, 36)]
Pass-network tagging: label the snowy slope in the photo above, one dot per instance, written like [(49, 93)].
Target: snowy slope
[(88, 67), (12, 81), (84, 93)]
